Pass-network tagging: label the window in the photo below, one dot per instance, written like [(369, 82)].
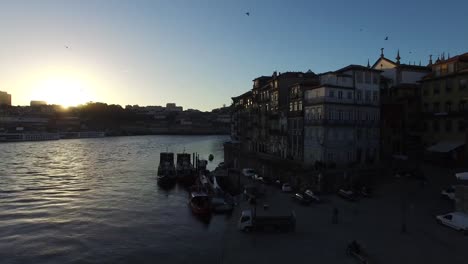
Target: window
[(340, 115), (350, 95), (435, 126), (359, 77), (290, 106), (462, 84), (426, 107), (436, 87), (443, 69), (340, 94), (358, 133), (367, 76), (425, 90), (331, 93), (448, 106), (359, 95), (295, 106), (448, 125), (375, 96), (461, 106), (451, 67), (375, 78), (435, 107), (448, 85), (300, 106), (368, 95), (461, 126)]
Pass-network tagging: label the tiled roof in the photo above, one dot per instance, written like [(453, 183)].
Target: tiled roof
[(462, 57), (414, 67), (355, 67)]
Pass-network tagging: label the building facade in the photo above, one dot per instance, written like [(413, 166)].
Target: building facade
[(296, 119), (341, 117), (5, 98), (401, 128), (444, 107)]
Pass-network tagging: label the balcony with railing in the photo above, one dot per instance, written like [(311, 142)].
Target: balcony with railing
[(327, 99), (341, 122)]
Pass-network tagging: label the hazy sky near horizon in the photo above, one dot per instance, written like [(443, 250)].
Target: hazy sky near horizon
[(199, 54)]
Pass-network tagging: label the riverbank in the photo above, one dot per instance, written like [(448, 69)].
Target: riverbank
[(27, 137), (375, 222)]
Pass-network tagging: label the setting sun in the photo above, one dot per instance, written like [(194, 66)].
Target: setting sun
[(65, 91)]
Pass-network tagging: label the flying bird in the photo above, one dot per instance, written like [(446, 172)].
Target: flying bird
[(386, 38), (66, 47), (247, 13)]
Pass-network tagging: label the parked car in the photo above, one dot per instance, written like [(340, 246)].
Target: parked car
[(302, 199), (248, 172), (455, 220), (448, 193), (347, 194), (278, 183), (258, 178), (314, 197), (286, 187)]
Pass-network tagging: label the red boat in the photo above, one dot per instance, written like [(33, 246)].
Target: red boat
[(200, 203)]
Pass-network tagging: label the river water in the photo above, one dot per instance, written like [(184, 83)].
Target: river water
[(97, 201)]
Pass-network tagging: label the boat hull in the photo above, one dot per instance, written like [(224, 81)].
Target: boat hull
[(200, 210), (166, 180)]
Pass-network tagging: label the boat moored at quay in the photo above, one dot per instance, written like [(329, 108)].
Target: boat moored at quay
[(166, 169)]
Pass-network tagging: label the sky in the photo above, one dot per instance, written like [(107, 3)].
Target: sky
[(199, 54)]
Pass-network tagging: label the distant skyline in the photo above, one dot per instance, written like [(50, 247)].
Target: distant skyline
[(199, 54)]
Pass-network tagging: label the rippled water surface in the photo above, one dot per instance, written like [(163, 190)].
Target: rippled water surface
[(96, 201)]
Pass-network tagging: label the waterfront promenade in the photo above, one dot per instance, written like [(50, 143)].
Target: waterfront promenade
[(375, 222)]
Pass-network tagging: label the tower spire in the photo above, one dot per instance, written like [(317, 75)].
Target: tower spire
[(398, 57), (368, 64), (381, 52), (430, 59)]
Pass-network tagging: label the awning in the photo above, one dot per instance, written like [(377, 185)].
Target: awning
[(445, 146), (463, 176)]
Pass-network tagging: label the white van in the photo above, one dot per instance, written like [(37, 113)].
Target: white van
[(456, 220)]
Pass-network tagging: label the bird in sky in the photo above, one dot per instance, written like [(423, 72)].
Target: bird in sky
[(67, 47), (386, 38), (247, 13)]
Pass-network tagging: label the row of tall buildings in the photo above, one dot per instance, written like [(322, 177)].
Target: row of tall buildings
[(357, 114)]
